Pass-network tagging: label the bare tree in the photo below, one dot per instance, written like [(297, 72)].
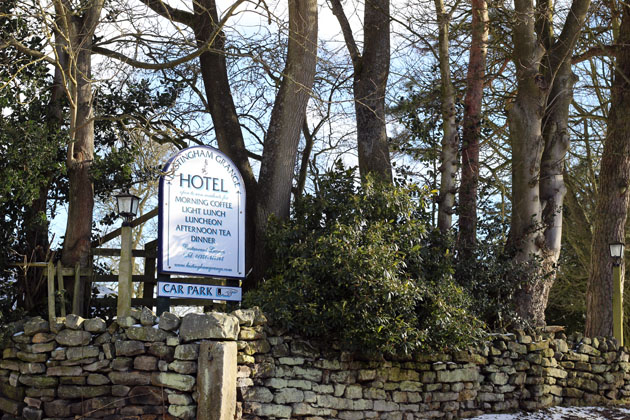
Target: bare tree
[(68, 30), (371, 71), (449, 158), (538, 119), (272, 192), (472, 129), (613, 195)]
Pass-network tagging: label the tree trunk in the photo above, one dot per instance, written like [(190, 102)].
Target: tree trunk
[(545, 84), (614, 196), (78, 30), (557, 140), (471, 134), (371, 70), (223, 111), (281, 145), (370, 83), (450, 139)]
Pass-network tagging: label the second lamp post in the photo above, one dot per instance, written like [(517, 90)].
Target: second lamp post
[(616, 252)]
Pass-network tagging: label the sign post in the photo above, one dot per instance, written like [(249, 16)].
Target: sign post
[(201, 222)]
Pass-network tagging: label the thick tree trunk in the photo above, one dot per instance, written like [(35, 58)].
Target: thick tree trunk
[(471, 134), (371, 70), (614, 194), (280, 151), (36, 222), (450, 139), (77, 29), (557, 140), (370, 83), (545, 84), (223, 111), (77, 240)]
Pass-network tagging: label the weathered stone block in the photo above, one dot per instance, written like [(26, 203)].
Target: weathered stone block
[(289, 395), (251, 333), (71, 391), (36, 325), (145, 363), (458, 375), (97, 379), (187, 352), (258, 394), (46, 394), (101, 365), (147, 334), (147, 317), (72, 380), (184, 412), (380, 405), (169, 322), (299, 383), (57, 408), (73, 338), (11, 407), (126, 321), (251, 316), (120, 390), (328, 401), (129, 348), (95, 325), (30, 413), (84, 352), (173, 380), (147, 395), (39, 381), (303, 409), (42, 337), (32, 368), (179, 399), (212, 325), (161, 351), (122, 363), (74, 322), (31, 357), (64, 371), (183, 366), (130, 378)]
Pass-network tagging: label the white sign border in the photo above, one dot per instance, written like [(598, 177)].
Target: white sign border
[(241, 204)]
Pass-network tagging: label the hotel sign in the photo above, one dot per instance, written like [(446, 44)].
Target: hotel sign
[(202, 215)]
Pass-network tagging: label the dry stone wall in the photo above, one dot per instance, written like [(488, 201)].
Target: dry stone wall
[(139, 367), (226, 366), (286, 377)]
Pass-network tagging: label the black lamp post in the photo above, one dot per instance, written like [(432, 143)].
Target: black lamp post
[(616, 252)]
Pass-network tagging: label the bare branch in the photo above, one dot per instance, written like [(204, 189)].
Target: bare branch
[(169, 12), (346, 30)]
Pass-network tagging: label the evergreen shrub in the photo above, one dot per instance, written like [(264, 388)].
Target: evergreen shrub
[(347, 267)]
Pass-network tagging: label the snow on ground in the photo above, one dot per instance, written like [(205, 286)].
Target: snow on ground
[(565, 413)]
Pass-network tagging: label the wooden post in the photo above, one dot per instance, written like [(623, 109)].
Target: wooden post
[(124, 273), (163, 304), (78, 291), (62, 289), (149, 271), (51, 293), (617, 305)]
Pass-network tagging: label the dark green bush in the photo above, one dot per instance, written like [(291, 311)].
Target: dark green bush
[(347, 267)]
